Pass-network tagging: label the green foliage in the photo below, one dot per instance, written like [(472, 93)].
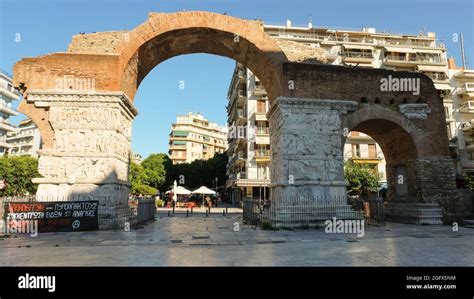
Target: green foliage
[(197, 173), (361, 178), (139, 180), (159, 203), (469, 180), (155, 169), (18, 173), (146, 178)]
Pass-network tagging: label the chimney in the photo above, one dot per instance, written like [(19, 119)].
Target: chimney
[(288, 23), (452, 64)]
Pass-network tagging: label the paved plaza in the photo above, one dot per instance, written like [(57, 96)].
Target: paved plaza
[(211, 241)]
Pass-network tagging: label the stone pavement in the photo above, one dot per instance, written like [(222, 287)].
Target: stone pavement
[(212, 241)]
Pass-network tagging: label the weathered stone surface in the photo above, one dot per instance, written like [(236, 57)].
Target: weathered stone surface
[(302, 53)]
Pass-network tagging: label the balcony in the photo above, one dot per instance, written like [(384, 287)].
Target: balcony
[(3, 142), (241, 175), (262, 155), (467, 107), (10, 93), (411, 60), (240, 96), (259, 90), (356, 56), (241, 116), (466, 90), (21, 134), (8, 110), (178, 146), (7, 127), (240, 158), (262, 131)]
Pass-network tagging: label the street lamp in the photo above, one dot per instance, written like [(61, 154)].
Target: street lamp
[(216, 179)]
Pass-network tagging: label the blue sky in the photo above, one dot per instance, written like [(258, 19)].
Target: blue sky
[(47, 26)]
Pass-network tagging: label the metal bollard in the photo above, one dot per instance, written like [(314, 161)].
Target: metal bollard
[(192, 210), (207, 212), (169, 213), (226, 211), (187, 213), (223, 212), (173, 209)]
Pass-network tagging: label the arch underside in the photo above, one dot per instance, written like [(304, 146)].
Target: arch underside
[(201, 40)]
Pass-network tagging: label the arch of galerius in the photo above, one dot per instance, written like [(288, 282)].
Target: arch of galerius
[(82, 101)]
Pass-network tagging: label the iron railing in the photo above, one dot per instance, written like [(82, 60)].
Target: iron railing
[(294, 212)]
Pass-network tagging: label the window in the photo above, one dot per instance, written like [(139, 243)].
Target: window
[(356, 151), (450, 136), (262, 172), (372, 151), (261, 106), (446, 113)]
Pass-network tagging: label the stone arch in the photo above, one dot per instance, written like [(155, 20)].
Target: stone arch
[(398, 139), (164, 36)]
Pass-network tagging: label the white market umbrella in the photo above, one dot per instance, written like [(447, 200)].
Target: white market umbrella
[(203, 190), (180, 190)]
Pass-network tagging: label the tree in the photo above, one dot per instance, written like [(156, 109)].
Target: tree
[(139, 180), (197, 173), (18, 173), (361, 178), (154, 167)]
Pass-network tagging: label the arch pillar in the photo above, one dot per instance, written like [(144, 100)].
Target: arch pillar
[(90, 153), (307, 161)]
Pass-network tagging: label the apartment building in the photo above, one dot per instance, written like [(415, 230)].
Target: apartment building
[(194, 137), (249, 137), (361, 48), (369, 48), (462, 133), (136, 158), (362, 149), (26, 140), (7, 96)]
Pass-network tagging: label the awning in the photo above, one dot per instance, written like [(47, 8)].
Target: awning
[(361, 47), (428, 51), (442, 86), (180, 133), (252, 183), (399, 49), (429, 68)]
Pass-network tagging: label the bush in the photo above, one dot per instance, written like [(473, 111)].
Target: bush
[(160, 203)]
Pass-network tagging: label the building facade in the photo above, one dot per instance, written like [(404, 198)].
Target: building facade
[(462, 129), (249, 137), (26, 140), (360, 148), (364, 48), (7, 96), (194, 137)]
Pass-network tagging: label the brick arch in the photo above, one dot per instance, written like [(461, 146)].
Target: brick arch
[(164, 36), (387, 127)]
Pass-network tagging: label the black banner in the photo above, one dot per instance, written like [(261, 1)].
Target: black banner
[(61, 216), (244, 282)]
